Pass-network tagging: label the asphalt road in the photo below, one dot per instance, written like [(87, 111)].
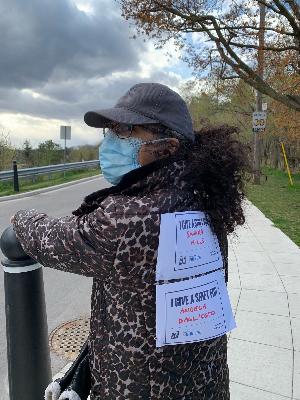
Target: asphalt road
[(67, 295)]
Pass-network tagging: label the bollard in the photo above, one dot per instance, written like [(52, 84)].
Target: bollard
[(28, 355), (16, 177)]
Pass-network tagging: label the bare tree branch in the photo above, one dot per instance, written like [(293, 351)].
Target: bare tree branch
[(267, 48), (284, 11), (295, 7)]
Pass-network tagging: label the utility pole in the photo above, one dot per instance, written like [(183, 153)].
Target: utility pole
[(260, 70)]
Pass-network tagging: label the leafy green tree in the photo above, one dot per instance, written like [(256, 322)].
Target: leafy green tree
[(83, 153), (27, 153), (49, 153), (233, 102)]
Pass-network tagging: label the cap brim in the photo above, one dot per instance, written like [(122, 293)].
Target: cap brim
[(101, 118)]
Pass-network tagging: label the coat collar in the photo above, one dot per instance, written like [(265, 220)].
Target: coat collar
[(169, 172)]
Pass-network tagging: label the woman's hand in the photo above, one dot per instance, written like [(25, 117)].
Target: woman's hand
[(12, 219)]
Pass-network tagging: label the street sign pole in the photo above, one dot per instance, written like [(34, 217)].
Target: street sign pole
[(65, 133), (65, 152)]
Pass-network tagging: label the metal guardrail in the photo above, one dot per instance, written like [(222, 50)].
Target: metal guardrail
[(23, 172)]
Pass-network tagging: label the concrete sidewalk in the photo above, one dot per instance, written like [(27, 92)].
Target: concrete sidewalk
[(264, 287)]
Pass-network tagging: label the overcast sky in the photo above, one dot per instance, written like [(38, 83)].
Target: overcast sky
[(61, 58)]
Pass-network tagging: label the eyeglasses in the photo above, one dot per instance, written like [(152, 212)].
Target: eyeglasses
[(123, 131)]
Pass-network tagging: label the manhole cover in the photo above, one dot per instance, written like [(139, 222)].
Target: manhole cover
[(67, 339)]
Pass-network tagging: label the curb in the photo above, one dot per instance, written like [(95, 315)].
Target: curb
[(48, 189), (62, 372)]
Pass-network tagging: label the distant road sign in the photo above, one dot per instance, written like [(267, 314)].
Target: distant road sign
[(259, 121), (65, 132)]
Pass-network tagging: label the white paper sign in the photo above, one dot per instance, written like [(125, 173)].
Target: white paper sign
[(187, 246), (193, 310)]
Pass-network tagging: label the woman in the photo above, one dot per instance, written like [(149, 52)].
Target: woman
[(157, 165)]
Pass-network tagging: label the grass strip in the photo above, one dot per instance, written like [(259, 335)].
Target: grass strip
[(42, 181), (278, 200)]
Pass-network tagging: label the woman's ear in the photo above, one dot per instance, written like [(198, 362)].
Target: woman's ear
[(172, 145), (153, 151)]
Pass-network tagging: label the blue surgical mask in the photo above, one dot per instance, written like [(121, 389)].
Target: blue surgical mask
[(118, 156)]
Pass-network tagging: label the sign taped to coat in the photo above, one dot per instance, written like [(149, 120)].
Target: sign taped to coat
[(187, 246), (193, 310), (197, 308)]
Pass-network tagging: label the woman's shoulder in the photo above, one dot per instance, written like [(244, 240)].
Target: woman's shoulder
[(161, 201)]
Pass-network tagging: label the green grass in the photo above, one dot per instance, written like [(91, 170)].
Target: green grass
[(278, 200), (42, 181)]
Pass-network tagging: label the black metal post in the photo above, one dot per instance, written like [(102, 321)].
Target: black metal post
[(16, 177), (29, 368)]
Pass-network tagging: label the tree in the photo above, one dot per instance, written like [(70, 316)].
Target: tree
[(232, 102), (286, 120), (7, 151), (27, 153), (84, 153), (204, 106), (49, 153), (223, 36), (238, 102)]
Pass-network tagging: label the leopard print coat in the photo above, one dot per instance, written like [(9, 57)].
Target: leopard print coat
[(113, 237)]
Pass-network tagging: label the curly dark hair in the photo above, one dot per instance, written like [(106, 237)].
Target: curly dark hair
[(219, 163)]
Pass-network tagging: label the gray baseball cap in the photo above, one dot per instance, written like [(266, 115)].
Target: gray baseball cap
[(147, 103)]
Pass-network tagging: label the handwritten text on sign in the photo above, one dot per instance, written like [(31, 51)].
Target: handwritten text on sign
[(187, 246), (193, 310)]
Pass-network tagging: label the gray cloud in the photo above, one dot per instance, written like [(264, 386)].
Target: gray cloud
[(73, 99), (42, 40), (71, 59)]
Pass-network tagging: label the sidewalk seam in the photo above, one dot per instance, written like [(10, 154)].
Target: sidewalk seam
[(263, 390)]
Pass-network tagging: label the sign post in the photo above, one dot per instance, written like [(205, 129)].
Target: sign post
[(287, 164), (257, 140), (65, 134)]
